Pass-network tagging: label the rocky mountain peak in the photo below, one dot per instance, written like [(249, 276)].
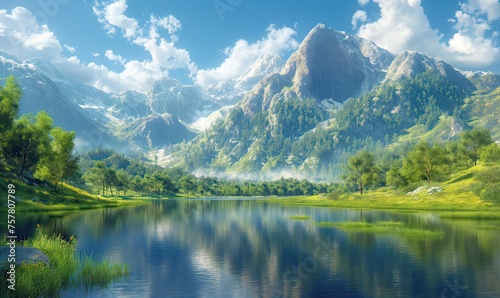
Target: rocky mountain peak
[(408, 64), (328, 65)]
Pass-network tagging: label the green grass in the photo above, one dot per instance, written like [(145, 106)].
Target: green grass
[(39, 198), (457, 195), (299, 217), (384, 227), (471, 215), (67, 269)]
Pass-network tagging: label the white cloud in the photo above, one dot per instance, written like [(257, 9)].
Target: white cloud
[(116, 58), (363, 2), (403, 25), (359, 16), (69, 49), (112, 15), (243, 54), (490, 8), (162, 49), (22, 37)]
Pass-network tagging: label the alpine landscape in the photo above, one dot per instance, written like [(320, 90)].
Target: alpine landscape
[(322, 160)]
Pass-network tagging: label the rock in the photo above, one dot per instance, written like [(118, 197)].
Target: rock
[(434, 190), (23, 254), (416, 191)]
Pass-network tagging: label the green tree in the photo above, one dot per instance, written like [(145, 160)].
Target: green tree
[(361, 170), (28, 141), (424, 161), (474, 140), (123, 181), (58, 162), (10, 95), (95, 176), (491, 153), (110, 179), (395, 177)]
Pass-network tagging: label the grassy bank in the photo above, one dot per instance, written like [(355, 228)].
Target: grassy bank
[(67, 269), (39, 198), (457, 195), (384, 227)]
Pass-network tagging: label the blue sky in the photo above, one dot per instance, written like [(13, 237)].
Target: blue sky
[(118, 45)]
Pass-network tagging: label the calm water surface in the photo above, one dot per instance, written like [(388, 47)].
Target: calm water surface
[(246, 248)]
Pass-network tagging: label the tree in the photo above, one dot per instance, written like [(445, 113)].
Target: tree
[(188, 184), (58, 162), (10, 95), (110, 179), (395, 178), (28, 141), (424, 161), (491, 153), (95, 176), (123, 181), (474, 140), (361, 170)]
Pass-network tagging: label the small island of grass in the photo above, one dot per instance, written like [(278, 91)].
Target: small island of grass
[(384, 227), (299, 217)]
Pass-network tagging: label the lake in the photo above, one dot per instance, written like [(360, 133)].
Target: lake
[(247, 248)]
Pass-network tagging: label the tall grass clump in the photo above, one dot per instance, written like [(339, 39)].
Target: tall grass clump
[(66, 269)]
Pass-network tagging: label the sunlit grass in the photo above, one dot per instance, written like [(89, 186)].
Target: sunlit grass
[(457, 195), (66, 269), (384, 227), (493, 215), (299, 217)]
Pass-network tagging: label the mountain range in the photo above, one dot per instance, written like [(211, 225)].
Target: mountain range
[(302, 115)]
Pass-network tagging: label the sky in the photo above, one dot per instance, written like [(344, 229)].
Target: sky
[(121, 45)]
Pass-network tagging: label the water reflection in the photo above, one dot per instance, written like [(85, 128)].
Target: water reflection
[(226, 248)]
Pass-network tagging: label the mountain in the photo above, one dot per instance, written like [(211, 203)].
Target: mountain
[(231, 91), (483, 80), (335, 95), (187, 103), (409, 64), (40, 92), (100, 119), (154, 131), (329, 65)]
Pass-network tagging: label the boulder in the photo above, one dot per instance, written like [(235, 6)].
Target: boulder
[(434, 190), (23, 254), (416, 191)]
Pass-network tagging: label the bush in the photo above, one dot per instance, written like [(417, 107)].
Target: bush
[(334, 194), (488, 187), (491, 192)]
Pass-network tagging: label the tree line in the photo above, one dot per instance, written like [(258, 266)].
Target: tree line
[(110, 173), (429, 162)]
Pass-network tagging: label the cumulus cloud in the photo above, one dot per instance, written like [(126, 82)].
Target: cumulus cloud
[(243, 54), (403, 25), (69, 48), (359, 16), (113, 57), (363, 2), (112, 15), (22, 37)]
